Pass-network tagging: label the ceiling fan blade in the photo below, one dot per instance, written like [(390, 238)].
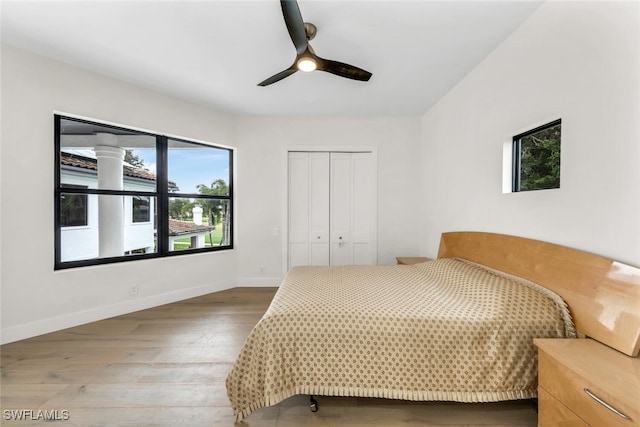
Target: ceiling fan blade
[(295, 24), (343, 70), (277, 77)]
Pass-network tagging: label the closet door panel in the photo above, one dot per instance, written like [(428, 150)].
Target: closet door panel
[(340, 208), (318, 209), (308, 209), (362, 208), (298, 209)]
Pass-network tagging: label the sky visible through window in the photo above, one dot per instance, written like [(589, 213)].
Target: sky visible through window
[(189, 168)]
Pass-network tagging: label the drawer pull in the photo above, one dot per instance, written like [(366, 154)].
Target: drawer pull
[(606, 405)]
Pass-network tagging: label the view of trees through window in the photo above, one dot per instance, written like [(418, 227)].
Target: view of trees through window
[(537, 158), (215, 213), (199, 196)]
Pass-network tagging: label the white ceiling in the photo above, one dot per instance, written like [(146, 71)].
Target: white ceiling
[(215, 52)]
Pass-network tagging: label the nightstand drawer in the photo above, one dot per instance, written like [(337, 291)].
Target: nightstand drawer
[(554, 414), (569, 389)]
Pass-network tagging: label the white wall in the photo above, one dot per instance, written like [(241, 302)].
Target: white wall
[(262, 145), (35, 298), (574, 60)]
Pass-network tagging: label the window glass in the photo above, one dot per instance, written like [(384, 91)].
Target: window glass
[(198, 223), (124, 194), (106, 233), (198, 169), (107, 158), (73, 208), (537, 158)]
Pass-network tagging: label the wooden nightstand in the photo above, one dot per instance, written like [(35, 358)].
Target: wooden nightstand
[(584, 383), (409, 260)]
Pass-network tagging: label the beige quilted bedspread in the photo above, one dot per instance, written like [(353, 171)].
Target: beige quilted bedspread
[(445, 329)]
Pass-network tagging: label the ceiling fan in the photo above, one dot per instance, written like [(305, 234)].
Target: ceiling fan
[(306, 59)]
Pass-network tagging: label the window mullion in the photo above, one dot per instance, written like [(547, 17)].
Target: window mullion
[(162, 213)]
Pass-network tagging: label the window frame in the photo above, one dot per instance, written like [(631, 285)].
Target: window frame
[(161, 195), (134, 218), (517, 156)]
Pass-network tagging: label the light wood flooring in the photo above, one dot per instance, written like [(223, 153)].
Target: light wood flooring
[(166, 366)]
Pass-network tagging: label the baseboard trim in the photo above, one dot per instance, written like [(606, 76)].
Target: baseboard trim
[(53, 324), (253, 281)]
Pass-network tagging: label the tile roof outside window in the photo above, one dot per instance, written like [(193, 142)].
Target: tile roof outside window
[(78, 161)]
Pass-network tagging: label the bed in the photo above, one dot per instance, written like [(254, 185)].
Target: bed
[(458, 328)]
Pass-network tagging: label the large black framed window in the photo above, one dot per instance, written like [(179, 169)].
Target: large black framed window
[(122, 194), (536, 158)]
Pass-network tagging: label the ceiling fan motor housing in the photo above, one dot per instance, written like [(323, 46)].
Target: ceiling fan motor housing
[(310, 30)]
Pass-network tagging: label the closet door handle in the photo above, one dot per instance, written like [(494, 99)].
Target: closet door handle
[(605, 404)]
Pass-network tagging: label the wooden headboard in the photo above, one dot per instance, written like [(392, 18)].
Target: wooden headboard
[(603, 295)]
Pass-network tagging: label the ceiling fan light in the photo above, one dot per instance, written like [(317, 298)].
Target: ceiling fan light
[(307, 64)]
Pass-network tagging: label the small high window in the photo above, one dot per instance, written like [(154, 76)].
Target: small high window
[(536, 158)]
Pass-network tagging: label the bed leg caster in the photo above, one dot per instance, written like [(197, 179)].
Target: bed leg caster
[(313, 404)]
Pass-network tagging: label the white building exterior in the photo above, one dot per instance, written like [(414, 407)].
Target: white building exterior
[(82, 242)]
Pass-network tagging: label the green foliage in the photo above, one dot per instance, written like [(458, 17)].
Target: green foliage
[(213, 209), (180, 208), (133, 160), (540, 160), (215, 213)]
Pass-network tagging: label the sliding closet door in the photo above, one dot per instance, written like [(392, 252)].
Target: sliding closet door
[(352, 210), (308, 209)]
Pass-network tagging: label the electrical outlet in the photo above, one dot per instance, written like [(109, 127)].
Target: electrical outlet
[(133, 290), (262, 269)]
